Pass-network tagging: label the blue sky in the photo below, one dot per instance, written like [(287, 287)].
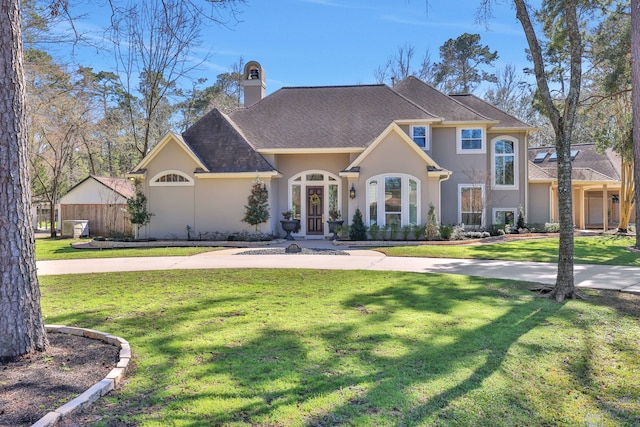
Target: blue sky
[(342, 42)]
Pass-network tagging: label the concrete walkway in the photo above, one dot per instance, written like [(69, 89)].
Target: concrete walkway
[(620, 278)]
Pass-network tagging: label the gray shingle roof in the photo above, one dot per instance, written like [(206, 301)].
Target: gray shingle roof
[(221, 147), (588, 165), (437, 102), (488, 110), (329, 117), (324, 117)]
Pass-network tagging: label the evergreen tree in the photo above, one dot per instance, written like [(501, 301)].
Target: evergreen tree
[(357, 231), (461, 59), (257, 209), (432, 229), (137, 209)]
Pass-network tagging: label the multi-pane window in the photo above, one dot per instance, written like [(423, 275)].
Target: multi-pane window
[(471, 139), (471, 204), (420, 136), (373, 202), (393, 200), (170, 178), (504, 163), (504, 216)]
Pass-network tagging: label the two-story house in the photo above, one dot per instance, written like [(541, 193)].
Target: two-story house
[(391, 152)]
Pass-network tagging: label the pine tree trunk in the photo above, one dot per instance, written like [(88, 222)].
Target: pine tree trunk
[(21, 326), (635, 99)]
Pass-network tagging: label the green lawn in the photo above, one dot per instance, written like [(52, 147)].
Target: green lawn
[(611, 250), (310, 348), (53, 249)]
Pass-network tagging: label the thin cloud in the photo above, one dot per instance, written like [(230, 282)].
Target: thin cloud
[(466, 26)]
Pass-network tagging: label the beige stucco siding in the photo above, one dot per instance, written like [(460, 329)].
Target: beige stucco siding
[(172, 206), (172, 209), (394, 155), (220, 206)]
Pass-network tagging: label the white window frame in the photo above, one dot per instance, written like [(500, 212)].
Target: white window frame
[(188, 183), (481, 150), (516, 175), (427, 136), (496, 210), (482, 214), (405, 214)]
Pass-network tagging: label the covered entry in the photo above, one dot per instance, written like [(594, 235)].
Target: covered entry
[(312, 195)]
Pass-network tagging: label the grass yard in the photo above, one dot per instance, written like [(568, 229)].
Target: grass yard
[(55, 249), (311, 348), (610, 250)]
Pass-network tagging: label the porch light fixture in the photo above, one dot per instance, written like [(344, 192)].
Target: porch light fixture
[(352, 192)]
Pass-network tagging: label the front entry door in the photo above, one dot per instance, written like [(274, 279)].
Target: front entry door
[(315, 208)]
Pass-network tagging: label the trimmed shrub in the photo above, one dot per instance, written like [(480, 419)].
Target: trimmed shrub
[(551, 227), (357, 231), (374, 231), (446, 231)]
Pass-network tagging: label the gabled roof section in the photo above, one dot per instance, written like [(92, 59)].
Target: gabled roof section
[(222, 147), (121, 186), (588, 164), (324, 117), (393, 127), (438, 103), (482, 107), (159, 146)]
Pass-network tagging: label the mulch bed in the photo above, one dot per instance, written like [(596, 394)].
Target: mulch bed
[(36, 384)]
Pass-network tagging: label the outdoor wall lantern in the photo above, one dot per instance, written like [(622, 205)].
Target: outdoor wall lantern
[(352, 192)]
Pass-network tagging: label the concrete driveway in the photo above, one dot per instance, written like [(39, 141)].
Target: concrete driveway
[(624, 279)]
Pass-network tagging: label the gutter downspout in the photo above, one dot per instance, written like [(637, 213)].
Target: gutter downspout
[(440, 181)]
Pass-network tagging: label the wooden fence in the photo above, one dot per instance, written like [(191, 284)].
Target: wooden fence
[(104, 220)]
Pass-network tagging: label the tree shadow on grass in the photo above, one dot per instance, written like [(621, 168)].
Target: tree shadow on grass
[(353, 379), (328, 373)]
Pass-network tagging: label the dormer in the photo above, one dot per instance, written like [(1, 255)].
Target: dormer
[(253, 83)]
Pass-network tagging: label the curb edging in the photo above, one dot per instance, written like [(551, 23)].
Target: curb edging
[(99, 389)]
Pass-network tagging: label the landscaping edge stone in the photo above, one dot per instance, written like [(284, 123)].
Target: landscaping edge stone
[(99, 389)]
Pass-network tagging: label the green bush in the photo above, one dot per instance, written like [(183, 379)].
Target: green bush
[(551, 227), (406, 230), (432, 231), (357, 231), (420, 232), (446, 231), (374, 231)]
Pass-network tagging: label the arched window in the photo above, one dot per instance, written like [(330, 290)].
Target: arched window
[(505, 163), (393, 199), (171, 178)]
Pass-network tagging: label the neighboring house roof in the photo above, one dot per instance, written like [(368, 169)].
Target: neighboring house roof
[(588, 164), (437, 102), (324, 117), (122, 186), (221, 147)]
